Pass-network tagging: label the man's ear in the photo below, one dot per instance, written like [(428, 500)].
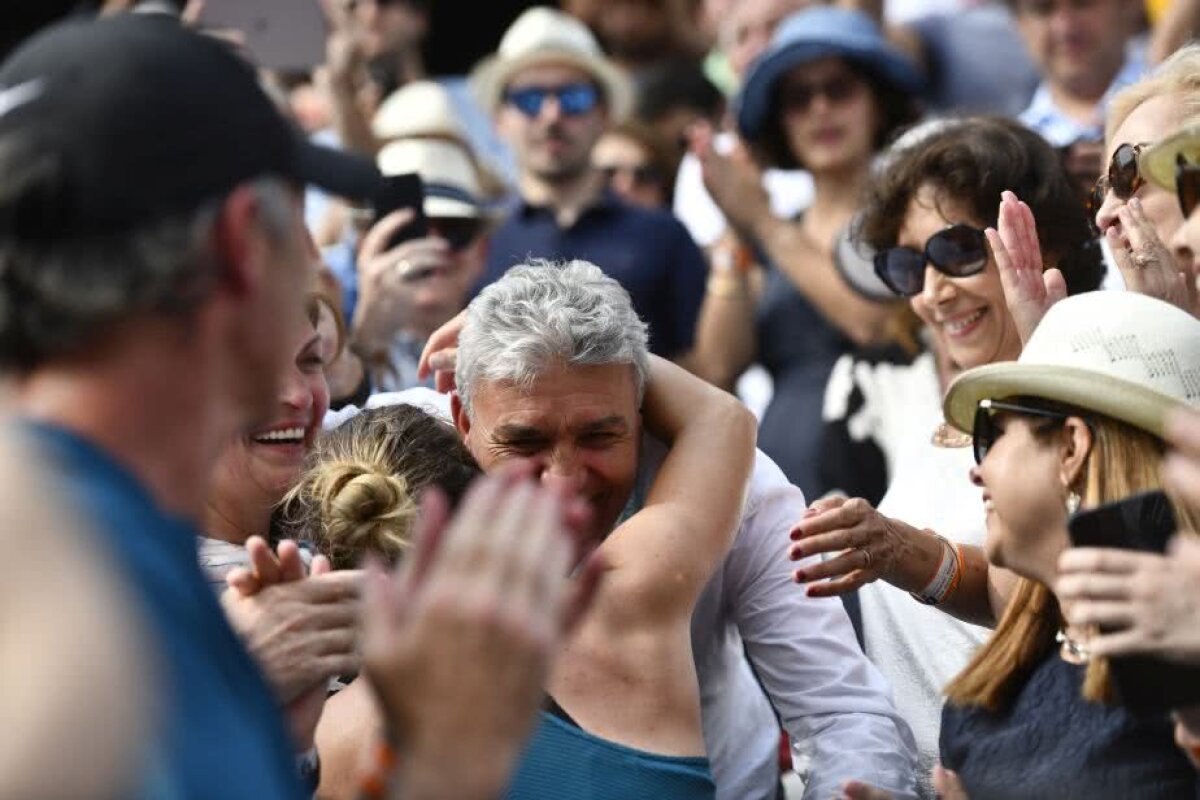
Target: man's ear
[(240, 244), (1077, 445), (461, 419)]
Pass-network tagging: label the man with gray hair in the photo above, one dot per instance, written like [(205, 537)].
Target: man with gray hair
[(550, 371)]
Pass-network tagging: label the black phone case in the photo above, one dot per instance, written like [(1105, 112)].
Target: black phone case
[(403, 191), (1141, 522)]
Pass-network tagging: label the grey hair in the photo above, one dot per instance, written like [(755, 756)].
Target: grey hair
[(57, 293), (543, 313)]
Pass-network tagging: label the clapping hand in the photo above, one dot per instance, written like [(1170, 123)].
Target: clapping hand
[(459, 639)]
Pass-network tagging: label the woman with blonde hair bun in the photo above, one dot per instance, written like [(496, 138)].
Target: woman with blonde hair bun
[(360, 492)]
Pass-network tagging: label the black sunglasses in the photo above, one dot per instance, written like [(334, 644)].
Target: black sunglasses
[(958, 251), (573, 99), (1123, 177), (984, 431), (459, 232), (1187, 185), (797, 96)]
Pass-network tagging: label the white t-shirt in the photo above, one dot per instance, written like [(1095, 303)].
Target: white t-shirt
[(791, 191), (918, 648)]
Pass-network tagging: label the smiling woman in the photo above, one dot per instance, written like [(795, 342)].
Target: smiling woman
[(925, 221), (256, 470)]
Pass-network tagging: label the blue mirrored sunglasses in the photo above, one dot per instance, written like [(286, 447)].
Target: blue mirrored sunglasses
[(573, 99)]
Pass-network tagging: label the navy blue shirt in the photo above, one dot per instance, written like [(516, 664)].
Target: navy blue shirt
[(220, 732), (648, 252), (1051, 743)]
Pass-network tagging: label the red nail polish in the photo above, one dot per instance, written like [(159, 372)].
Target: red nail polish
[(799, 576)]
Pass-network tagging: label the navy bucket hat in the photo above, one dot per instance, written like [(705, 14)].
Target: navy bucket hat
[(810, 35)]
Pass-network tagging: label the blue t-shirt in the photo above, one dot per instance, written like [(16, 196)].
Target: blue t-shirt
[(648, 252), (565, 762), (220, 732)]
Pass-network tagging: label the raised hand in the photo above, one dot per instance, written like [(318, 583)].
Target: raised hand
[(440, 355), (458, 642), (387, 276), (1146, 264), (733, 180), (1029, 290)]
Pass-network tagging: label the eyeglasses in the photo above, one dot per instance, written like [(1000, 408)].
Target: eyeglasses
[(984, 431), (1123, 177), (958, 251), (796, 96), (573, 99), (1187, 185), (459, 232), (639, 174)]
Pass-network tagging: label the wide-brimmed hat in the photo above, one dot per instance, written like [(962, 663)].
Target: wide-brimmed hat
[(810, 35), (1157, 163), (1120, 354), (452, 184), (420, 108), (547, 36)]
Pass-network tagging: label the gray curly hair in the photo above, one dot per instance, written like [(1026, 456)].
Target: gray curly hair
[(543, 313)]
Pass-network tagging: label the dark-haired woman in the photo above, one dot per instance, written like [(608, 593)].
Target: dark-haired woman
[(927, 220), (825, 96)]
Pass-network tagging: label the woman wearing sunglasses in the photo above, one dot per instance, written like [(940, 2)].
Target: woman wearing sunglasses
[(1147, 603), (825, 96), (1137, 217), (1075, 423), (926, 222)]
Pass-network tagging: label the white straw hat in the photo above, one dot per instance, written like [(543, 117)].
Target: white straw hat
[(547, 36), (420, 108), (452, 186), (1121, 354)]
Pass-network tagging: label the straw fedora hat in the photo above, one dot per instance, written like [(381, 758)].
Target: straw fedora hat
[(420, 108), (547, 36), (1121, 354), (452, 184), (1157, 163)]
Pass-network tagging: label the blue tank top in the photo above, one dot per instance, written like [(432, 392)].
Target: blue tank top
[(565, 762)]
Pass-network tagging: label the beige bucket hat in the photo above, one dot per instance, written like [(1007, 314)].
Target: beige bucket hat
[(1122, 354)]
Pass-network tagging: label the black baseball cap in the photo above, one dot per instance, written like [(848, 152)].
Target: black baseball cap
[(150, 118)]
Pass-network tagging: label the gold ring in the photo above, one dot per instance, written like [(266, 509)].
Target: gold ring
[(867, 554)]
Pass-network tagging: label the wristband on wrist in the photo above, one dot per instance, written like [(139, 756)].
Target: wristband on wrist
[(947, 577), (374, 786), (732, 260)]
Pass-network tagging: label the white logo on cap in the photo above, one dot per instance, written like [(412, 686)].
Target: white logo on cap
[(16, 96)]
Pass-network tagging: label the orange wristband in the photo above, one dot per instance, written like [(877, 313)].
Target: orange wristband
[(374, 786)]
